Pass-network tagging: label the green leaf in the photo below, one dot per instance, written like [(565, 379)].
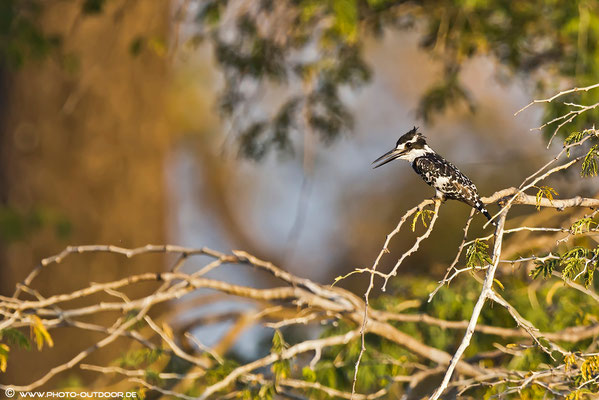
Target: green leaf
[(220, 371), (449, 91), (573, 261), (544, 268), (574, 137), (346, 19), (132, 314), (583, 225), (267, 391), (588, 276), (15, 337), (153, 377), (308, 374), (211, 13), (139, 357), (278, 342), (589, 163), (477, 254), (281, 368)]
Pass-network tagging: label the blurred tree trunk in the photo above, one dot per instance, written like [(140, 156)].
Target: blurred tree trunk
[(83, 142)]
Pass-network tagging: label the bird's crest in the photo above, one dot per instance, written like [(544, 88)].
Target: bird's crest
[(410, 136)]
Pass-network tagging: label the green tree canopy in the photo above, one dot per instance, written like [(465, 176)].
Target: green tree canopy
[(315, 47)]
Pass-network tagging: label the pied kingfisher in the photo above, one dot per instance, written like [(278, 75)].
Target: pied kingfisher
[(446, 178)]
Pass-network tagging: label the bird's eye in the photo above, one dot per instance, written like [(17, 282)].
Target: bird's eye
[(408, 145)]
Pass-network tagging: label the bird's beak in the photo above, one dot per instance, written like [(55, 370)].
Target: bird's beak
[(388, 157)]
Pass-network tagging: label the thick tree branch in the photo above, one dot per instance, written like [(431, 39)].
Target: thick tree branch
[(529, 200)]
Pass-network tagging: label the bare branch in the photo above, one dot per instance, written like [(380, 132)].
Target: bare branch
[(416, 245), (550, 99)]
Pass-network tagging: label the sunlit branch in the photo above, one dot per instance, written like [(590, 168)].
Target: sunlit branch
[(550, 99)]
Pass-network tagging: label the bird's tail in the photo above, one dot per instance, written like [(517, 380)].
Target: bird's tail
[(481, 208)]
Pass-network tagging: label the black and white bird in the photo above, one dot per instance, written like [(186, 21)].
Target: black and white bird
[(446, 178)]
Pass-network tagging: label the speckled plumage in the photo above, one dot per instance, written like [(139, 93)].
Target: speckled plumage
[(449, 182)]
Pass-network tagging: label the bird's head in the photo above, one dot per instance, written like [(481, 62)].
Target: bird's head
[(409, 146)]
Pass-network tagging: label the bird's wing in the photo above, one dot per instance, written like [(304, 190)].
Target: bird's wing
[(447, 178)]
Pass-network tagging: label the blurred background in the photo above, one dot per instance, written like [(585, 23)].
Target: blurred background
[(253, 124)]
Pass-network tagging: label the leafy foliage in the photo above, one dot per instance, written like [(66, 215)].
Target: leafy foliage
[(335, 369), (314, 46), (15, 337), (590, 368), (18, 225), (443, 95), (132, 314), (40, 333), (547, 192), (280, 368), (220, 371), (266, 391), (578, 262), (583, 225), (313, 49), (424, 215), (524, 37), (589, 163), (384, 360), (20, 34), (269, 57), (574, 137), (137, 358), (257, 139), (585, 380), (477, 254), (545, 268)]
